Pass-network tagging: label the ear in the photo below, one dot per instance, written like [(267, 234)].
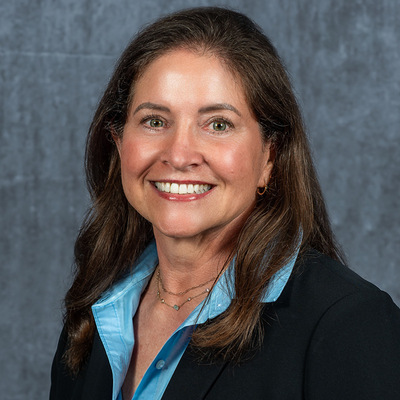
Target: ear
[(269, 158)]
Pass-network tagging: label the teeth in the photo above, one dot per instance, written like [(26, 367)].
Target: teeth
[(182, 188), (174, 188)]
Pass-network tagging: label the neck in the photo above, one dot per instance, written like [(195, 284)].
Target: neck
[(184, 263)]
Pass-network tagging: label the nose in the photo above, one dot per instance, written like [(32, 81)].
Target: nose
[(183, 148)]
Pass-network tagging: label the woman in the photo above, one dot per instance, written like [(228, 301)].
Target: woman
[(206, 267)]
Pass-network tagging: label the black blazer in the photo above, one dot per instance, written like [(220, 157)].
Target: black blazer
[(330, 336)]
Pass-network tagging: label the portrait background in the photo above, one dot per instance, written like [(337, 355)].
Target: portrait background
[(56, 58)]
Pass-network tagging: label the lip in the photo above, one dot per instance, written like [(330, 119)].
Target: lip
[(182, 197)]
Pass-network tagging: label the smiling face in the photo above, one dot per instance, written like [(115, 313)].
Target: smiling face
[(191, 152)]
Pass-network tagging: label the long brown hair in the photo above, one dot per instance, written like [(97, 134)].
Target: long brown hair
[(113, 234)]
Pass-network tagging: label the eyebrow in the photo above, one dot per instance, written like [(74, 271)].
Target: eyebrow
[(210, 108), (151, 106), (218, 107)]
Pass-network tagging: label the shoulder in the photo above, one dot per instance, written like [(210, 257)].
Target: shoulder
[(319, 282), (322, 296), (321, 291), (347, 329)]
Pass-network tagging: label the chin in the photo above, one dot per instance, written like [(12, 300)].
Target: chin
[(178, 230), (175, 233), (179, 225)]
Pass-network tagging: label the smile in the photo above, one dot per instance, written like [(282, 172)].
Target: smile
[(182, 188)]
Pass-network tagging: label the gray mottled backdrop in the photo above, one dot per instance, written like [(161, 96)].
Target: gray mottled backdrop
[(56, 57)]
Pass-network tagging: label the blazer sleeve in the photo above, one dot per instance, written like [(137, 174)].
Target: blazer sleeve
[(355, 350)]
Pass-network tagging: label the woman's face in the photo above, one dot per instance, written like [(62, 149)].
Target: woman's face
[(191, 153)]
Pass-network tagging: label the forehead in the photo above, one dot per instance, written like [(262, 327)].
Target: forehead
[(192, 76)]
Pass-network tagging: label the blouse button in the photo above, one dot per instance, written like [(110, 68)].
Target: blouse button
[(160, 364)]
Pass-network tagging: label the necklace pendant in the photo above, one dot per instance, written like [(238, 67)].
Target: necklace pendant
[(176, 307)]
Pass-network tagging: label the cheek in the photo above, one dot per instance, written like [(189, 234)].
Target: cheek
[(134, 164), (135, 159), (241, 164), (228, 163)]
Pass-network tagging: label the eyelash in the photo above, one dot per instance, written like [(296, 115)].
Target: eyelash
[(224, 120), (148, 118)]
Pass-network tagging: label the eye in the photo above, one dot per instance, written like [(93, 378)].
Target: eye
[(219, 126), (156, 123)]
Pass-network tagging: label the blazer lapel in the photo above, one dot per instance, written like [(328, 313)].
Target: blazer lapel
[(192, 379), (98, 381)]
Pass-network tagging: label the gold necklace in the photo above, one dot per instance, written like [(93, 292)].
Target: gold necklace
[(180, 293), (177, 307)]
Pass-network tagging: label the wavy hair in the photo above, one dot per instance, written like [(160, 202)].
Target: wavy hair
[(113, 234)]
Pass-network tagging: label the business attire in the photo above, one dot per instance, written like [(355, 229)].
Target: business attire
[(328, 334)]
